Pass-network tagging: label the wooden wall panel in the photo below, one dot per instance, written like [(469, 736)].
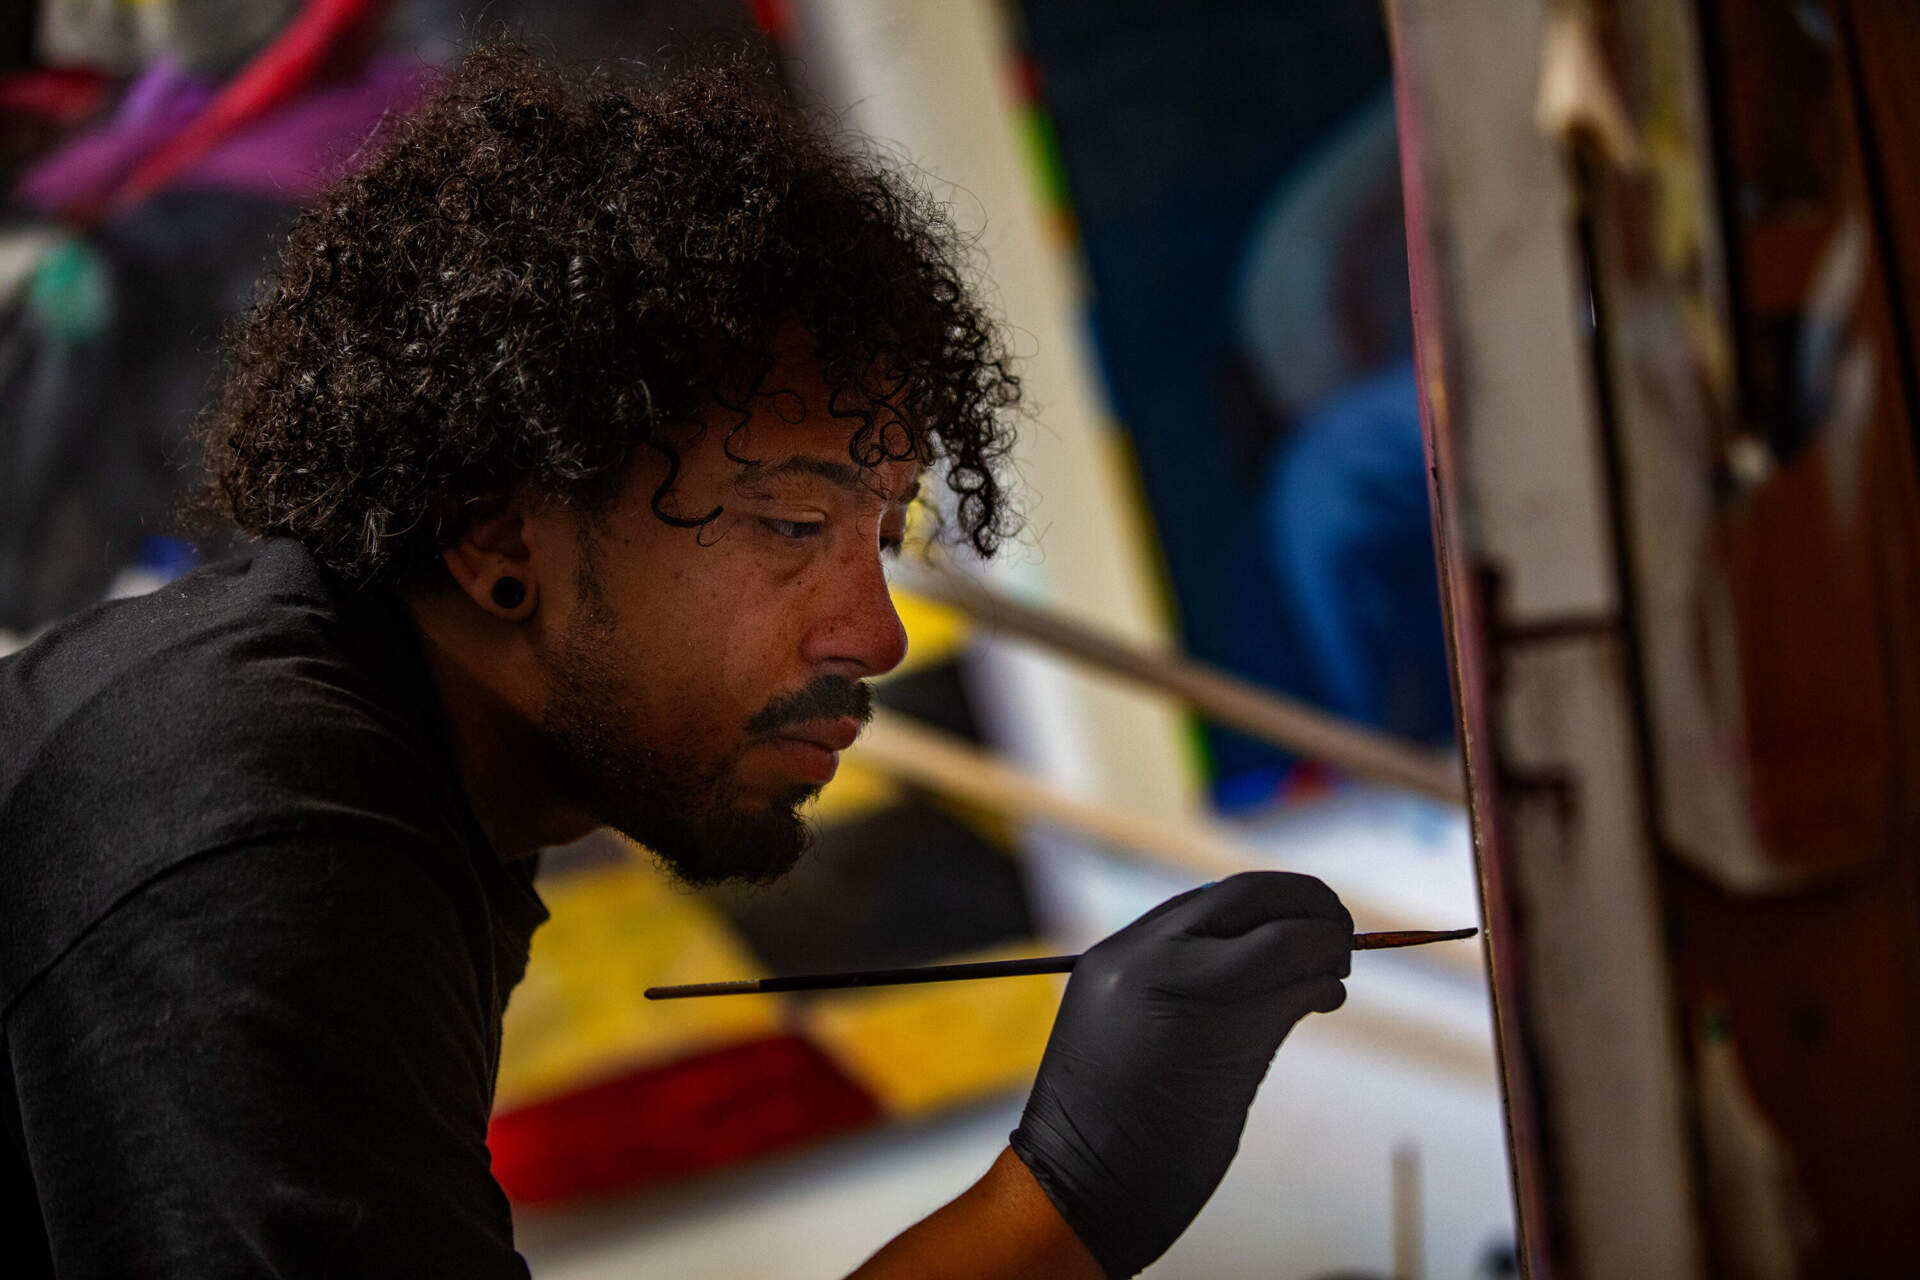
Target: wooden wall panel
[(1697, 793), (1814, 979)]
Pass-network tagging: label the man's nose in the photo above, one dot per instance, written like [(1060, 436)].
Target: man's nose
[(860, 629)]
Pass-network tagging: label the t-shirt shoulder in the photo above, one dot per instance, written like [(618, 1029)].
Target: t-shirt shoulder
[(246, 702)]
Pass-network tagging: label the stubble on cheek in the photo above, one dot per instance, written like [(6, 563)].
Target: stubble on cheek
[(637, 769)]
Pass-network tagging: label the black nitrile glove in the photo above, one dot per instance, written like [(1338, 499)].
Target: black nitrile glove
[(1166, 1030)]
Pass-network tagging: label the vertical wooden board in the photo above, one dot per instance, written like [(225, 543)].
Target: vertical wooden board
[(1465, 626), (1882, 43), (1771, 540), (1659, 284), (1816, 544), (1573, 822), (1497, 216), (1801, 987), (1775, 764), (1523, 527), (1816, 994)]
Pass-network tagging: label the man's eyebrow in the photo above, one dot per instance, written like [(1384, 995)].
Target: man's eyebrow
[(843, 474)]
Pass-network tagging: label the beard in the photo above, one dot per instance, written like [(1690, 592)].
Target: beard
[(691, 814)]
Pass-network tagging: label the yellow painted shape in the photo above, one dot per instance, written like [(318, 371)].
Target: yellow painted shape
[(935, 632), (919, 1049), (615, 931), (855, 790)]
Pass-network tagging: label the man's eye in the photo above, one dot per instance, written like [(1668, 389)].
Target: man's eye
[(795, 530)]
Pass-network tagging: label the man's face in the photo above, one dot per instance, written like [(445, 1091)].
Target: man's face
[(704, 679)]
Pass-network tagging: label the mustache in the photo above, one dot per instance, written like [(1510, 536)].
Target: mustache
[(824, 698)]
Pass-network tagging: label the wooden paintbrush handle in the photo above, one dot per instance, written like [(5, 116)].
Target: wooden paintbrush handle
[(980, 969)]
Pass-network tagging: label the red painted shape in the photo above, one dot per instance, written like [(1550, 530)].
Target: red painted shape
[(773, 17), (671, 1120), (56, 94)]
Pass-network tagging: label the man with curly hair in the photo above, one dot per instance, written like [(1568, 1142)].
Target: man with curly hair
[(573, 432)]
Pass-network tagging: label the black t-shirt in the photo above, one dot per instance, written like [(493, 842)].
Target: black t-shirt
[(254, 948)]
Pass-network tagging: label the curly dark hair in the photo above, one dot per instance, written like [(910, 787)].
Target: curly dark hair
[(545, 267)]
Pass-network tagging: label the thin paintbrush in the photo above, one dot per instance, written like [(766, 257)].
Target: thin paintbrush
[(981, 969)]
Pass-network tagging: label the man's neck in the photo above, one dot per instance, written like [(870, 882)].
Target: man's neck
[(491, 740)]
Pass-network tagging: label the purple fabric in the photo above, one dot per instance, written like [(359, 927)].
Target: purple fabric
[(165, 86), (302, 149), (160, 102), (292, 154)]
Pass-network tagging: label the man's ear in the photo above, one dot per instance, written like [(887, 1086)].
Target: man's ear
[(492, 564)]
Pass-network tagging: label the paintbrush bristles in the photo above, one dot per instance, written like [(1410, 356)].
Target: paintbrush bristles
[(1407, 938)]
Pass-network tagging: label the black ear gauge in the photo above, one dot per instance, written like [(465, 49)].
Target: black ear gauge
[(509, 593)]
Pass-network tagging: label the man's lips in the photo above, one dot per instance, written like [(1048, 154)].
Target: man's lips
[(812, 750), (828, 735)]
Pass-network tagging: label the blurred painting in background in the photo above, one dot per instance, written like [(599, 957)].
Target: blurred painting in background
[(153, 154), (1225, 172), (1232, 172)]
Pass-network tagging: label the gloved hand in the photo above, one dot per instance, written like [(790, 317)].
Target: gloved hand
[(1165, 1032)]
